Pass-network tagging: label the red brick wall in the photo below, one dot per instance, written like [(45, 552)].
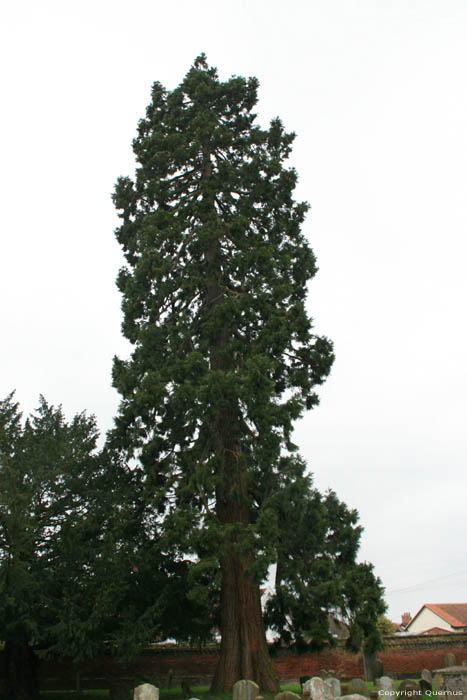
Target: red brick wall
[(411, 654), (403, 657)]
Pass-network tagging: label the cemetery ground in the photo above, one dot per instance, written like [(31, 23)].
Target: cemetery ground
[(199, 692)]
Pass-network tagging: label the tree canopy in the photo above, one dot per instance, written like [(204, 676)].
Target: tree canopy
[(225, 357), (172, 527), (45, 467), (80, 561)]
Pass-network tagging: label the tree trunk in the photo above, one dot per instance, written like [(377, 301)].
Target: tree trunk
[(22, 672), (244, 653), (369, 663)]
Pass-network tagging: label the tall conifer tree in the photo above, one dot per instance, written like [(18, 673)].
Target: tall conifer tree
[(224, 356)]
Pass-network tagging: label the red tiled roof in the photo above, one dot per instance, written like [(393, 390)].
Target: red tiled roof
[(454, 613), (437, 630)]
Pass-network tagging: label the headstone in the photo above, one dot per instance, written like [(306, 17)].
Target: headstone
[(409, 687), (378, 665), (464, 662), (358, 686), (449, 660), (385, 685), (323, 673), (335, 686), (317, 689), (146, 691), (425, 686), (454, 681), (303, 680), (426, 675), (286, 695), (245, 690), (438, 681), (353, 696)]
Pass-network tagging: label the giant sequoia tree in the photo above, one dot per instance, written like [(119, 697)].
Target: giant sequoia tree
[(225, 358)]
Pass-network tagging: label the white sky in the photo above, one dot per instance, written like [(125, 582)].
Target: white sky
[(375, 90)]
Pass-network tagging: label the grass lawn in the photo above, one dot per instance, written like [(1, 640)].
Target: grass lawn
[(200, 692)]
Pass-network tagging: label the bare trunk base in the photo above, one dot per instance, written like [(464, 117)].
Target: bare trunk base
[(244, 654)]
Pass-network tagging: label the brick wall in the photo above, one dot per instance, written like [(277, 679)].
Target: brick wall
[(403, 657)]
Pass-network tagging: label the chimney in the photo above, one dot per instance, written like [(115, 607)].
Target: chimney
[(406, 618)]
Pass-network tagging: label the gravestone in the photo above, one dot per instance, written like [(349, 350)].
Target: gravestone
[(426, 675), (464, 662), (286, 695), (358, 686), (353, 696), (425, 686), (317, 689), (449, 660), (146, 691), (385, 684), (303, 680), (409, 687), (438, 681), (323, 673), (245, 690), (334, 685), (454, 681)]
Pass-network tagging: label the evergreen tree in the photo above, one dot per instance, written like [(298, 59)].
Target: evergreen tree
[(225, 358), (317, 574), (40, 463), (81, 563)]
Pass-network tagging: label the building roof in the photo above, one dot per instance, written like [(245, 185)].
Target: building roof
[(437, 630), (455, 614)]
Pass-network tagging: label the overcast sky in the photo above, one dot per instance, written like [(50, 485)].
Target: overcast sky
[(376, 92)]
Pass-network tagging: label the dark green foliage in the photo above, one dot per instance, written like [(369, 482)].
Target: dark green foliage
[(224, 361), (212, 206), (214, 287), (80, 561), (45, 468), (317, 573)]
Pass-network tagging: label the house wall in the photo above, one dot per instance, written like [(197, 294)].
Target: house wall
[(426, 620)]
